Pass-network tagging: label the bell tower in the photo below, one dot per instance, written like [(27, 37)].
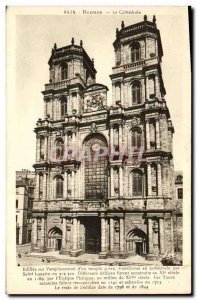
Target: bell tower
[(71, 71), (137, 75)]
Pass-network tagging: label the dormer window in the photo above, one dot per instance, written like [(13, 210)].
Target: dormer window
[(64, 71), (135, 52)]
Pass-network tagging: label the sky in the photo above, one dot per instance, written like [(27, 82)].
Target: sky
[(35, 37)]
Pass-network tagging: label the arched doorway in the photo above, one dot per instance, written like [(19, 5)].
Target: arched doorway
[(136, 242), (55, 239), (96, 172)]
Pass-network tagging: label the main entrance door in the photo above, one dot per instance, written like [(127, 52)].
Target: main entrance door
[(139, 248), (93, 235)]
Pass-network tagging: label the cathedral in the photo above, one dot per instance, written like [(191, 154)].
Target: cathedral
[(104, 172)]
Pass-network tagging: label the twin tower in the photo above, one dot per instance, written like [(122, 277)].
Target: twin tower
[(117, 206)]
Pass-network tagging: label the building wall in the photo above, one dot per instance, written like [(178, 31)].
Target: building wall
[(24, 196)]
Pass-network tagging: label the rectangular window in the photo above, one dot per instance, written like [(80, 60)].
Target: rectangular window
[(180, 193), (137, 185), (59, 188)]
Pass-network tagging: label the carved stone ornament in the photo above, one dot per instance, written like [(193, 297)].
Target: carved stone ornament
[(95, 102), (58, 169), (93, 128), (135, 122), (135, 162)]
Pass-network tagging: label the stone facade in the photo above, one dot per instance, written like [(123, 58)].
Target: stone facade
[(124, 203)]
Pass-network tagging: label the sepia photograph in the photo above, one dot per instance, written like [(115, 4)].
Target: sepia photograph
[(98, 186)]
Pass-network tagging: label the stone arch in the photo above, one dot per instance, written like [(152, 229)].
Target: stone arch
[(136, 241), (92, 135), (63, 71), (54, 239)]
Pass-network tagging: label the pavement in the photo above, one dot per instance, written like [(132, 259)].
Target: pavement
[(55, 258)]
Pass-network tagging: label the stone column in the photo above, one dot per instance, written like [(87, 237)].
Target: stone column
[(147, 88), (78, 234), (44, 186), (122, 243), (74, 139), (159, 186), (157, 86), (34, 237), (112, 181), (147, 135), (149, 179), (75, 234), (111, 234), (37, 189), (122, 98), (113, 95), (120, 137), (64, 233), (150, 236), (111, 137), (38, 149), (107, 234), (157, 130), (42, 235), (83, 180), (65, 152), (121, 181), (161, 235), (103, 235), (65, 193), (73, 184), (46, 148)]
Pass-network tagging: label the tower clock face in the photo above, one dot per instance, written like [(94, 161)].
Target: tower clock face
[(95, 147)]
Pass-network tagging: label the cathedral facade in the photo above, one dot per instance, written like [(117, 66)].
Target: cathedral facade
[(104, 173)]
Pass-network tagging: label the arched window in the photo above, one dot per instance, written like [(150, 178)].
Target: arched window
[(136, 139), (64, 71), (137, 183), (63, 107), (59, 187), (136, 93), (59, 149), (135, 52), (96, 174)]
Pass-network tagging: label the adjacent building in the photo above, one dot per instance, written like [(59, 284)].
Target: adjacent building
[(117, 202), (25, 185)]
